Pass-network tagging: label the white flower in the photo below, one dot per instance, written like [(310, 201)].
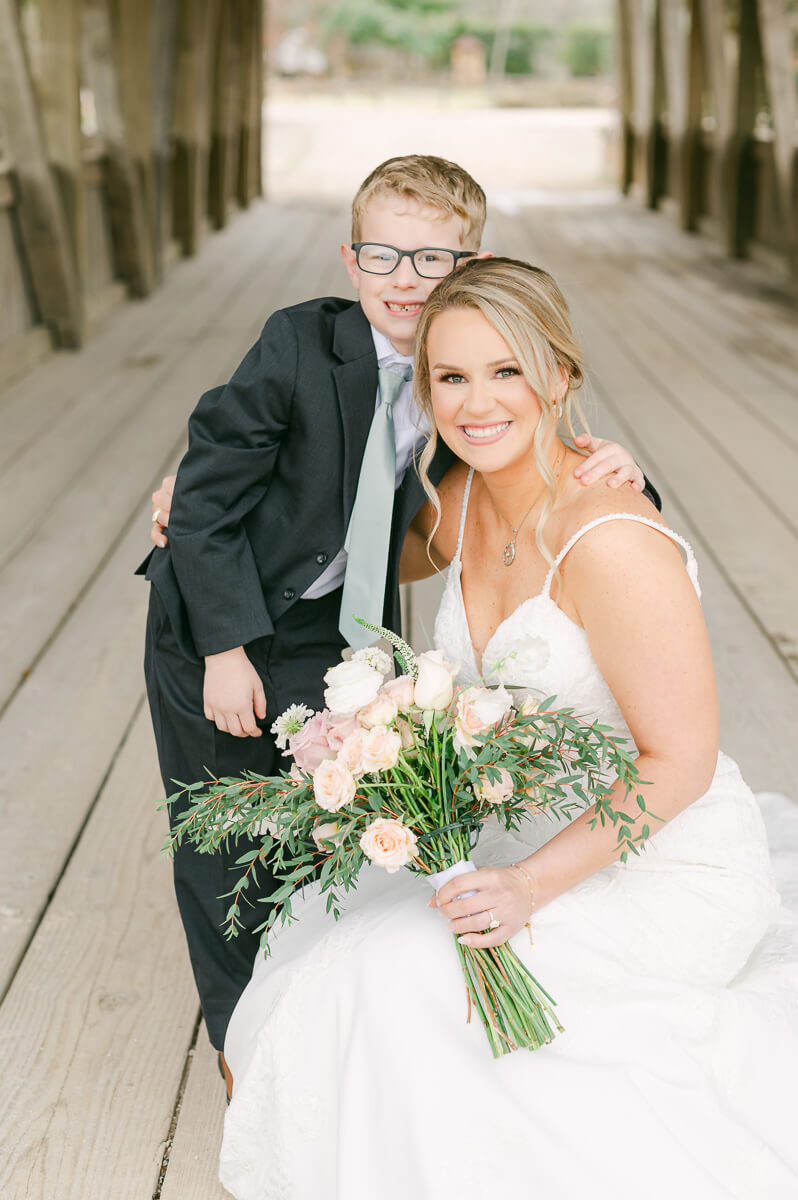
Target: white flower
[(290, 722), (375, 658), (388, 844), (435, 683), (527, 658), (478, 709), (327, 832), (350, 686)]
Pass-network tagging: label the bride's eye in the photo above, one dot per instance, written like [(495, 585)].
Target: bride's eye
[(507, 372), (451, 377)]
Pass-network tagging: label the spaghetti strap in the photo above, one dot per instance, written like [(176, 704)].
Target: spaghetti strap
[(690, 559), (463, 511)]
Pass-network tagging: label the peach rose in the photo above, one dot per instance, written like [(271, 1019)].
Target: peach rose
[(333, 785), (338, 729), (351, 753), (326, 832), (478, 709), (381, 711), (381, 747), (401, 691), (388, 844), (435, 684), (405, 730), (495, 791)]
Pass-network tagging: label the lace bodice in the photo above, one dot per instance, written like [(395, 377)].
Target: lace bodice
[(537, 647)]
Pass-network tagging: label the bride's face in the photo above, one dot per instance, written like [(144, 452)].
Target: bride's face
[(483, 406)]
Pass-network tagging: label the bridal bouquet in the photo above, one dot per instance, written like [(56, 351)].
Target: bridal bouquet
[(402, 773)]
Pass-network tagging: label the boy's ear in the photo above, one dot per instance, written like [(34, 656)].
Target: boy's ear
[(350, 262), (485, 254)]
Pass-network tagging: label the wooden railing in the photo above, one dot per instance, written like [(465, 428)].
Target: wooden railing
[(128, 129), (710, 117)]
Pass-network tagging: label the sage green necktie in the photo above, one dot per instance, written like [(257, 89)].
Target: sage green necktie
[(369, 532)]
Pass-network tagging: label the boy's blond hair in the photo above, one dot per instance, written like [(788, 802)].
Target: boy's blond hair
[(431, 181)]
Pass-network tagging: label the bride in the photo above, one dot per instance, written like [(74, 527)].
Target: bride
[(356, 1073)]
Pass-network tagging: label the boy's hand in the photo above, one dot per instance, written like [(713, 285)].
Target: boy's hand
[(161, 503), (608, 458), (233, 694)]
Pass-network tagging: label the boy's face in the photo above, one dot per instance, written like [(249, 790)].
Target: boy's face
[(393, 303)]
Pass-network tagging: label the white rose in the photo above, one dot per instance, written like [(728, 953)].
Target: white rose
[(435, 684), (350, 686), (389, 844), (381, 748), (495, 791), (478, 709), (333, 785), (381, 711)]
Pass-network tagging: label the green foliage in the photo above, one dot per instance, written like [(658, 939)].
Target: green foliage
[(587, 49)]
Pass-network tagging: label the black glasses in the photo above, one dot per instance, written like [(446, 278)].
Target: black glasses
[(431, 262)]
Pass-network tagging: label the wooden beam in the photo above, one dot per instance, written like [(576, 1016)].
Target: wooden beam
[(43, 223), (163, 98), (738, 166), (625, 101), (127, 207), (776, 42), (671, 16), (191, 119), (249, 182), (226, 114)]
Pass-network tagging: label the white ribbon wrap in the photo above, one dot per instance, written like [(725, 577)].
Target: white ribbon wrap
[(463, 867)]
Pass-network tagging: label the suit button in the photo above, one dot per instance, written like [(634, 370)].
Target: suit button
[(321, 558), (289, 594)]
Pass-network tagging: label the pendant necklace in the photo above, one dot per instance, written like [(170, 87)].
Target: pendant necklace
[(508, 554)]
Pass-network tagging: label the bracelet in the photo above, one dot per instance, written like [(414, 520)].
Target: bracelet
[(528, 878)]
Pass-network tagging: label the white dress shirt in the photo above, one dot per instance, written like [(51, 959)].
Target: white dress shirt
[(410, 427)]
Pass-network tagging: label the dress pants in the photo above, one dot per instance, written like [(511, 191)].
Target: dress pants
[(291, 664)]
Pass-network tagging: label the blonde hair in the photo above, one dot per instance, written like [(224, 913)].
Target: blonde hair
[(525, 306), (430, 181)]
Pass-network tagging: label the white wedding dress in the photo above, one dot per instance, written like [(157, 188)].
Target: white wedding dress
[(676, 977)]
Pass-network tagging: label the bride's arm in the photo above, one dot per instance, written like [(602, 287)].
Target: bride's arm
[(647, 634)]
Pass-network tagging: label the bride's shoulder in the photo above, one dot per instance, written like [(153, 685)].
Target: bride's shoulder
[(597, 528)]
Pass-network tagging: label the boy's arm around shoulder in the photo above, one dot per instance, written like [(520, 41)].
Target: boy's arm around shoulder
[(234, 438)]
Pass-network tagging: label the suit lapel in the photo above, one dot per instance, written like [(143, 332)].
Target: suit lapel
[(355, 379)]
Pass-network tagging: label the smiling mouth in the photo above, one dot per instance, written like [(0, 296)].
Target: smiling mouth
[(413, 307), (481, 433)]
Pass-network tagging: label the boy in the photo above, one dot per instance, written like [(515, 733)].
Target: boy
[(247, 599)]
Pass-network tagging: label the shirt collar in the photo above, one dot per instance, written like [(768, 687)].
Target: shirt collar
[(387, 356)]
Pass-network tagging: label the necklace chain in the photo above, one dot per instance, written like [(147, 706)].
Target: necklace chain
[(508, 554)]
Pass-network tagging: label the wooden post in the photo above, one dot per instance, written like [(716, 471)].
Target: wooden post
[(226, 118), (674, 64), (49, 248), (738, 167), (129, 221), (776, 44), (191, 121), (625, 88), (163, 96), (249, 156)]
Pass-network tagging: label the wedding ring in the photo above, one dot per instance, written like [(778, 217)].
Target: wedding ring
[(156, 515), (494, 924)]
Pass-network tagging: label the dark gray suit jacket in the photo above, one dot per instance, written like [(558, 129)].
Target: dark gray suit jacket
[(265, 490)]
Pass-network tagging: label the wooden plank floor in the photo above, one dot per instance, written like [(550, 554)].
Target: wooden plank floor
[(109, 1085)]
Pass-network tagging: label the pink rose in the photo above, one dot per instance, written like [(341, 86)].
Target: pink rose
[(338, 729), (333, 785), (406, 733), (381, 711), (388, 844), (400, 690), (495, 791), (478, 709), (381, 748), (310, 746)]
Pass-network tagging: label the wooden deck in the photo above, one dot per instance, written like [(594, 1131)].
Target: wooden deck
[(108, 1086)]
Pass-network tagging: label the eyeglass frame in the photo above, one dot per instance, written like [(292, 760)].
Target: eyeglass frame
[(411, 254)]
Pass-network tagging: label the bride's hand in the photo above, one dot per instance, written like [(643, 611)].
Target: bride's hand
[(500, 894)]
